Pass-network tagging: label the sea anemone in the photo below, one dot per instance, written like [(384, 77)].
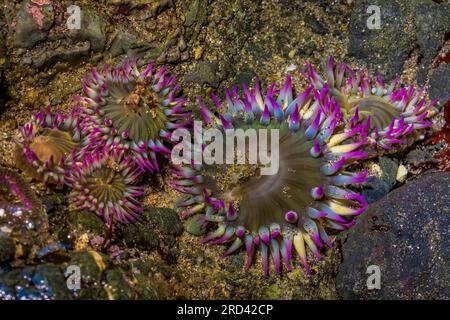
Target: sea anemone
[(48, 143), (395, 115), (310, 195), (104, 184), (134, 111), (22, 215)]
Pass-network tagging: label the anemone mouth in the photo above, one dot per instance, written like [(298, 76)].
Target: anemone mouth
[(379, 109), (261, 200), (52, 144), (104, 185), (134, 108)]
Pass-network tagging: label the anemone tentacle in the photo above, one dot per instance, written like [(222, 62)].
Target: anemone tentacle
[(394, 115), (105, 184), (294, 209), (134, 111), (48, 144)]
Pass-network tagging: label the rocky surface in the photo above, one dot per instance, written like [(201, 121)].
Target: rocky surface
[(388, 47), (406, 234), (208, 45), (381, 180)]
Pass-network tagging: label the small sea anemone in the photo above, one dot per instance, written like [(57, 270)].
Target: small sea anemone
[(105, 185), (47, 144), (310, 195), (395, 114), (22, 215), (134, 110)]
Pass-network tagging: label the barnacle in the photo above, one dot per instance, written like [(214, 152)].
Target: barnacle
[(296, 207), (134, 111), (395, 115), (48, 143), (105, 185)]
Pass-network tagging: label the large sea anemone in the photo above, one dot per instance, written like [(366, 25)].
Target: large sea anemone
[(134, 111), (48, 143), (312, 193), (22, 215), (105, 185), (396, 114)]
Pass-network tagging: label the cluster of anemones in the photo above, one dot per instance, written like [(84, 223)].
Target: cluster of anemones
[(126, 119), (395, 114), (323, 132), (113, 133)]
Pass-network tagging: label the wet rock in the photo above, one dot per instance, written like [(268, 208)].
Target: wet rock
[(382, 179), (205, 72), (432, 22), (440, 84), (22, 215), (92, 30), (406, 235), (315, 25), (92, 265), (388, 47), (417, 157), (192, 13), (158, 226), (44, 59), (7, 248), (117, 285), (44, 282), (130, 44), (140, 235), (80, 227), (32, 24)]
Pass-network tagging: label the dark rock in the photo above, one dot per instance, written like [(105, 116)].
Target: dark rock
[(417, 157), (245, 76), (132, 45), (32, 24), (432, 22), (44, 59), (92, 265), (191, 14), (7, 248), (158, 226), (377, 186), (205, 73), (406, 235), (92, 30), (315, 25), (83, 221), (440, 84), (140, 235), (119, 287), (43, 282), (389, 46)]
